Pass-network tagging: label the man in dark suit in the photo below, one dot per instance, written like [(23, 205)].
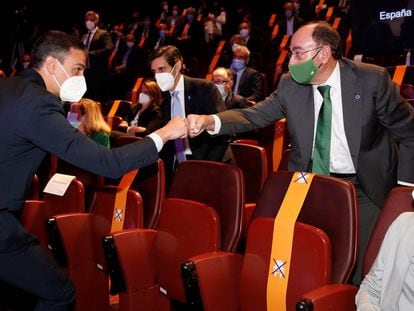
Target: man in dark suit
[(291, 23), (368, 116), (99, 44), (195, 96), (223, 79), (33, 124), (249, 82)]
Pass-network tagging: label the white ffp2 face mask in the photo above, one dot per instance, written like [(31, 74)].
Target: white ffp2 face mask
[(90, 25), (144, 99), (165, 80), (73, 88)]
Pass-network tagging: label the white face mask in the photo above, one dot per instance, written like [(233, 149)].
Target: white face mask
[(222, 90), (244, 32), (73, 88), (165, 80), (130, 44), (90, 25), (144, 99)]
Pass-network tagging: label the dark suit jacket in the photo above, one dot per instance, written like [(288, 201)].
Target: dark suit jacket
[(150, 118), (374, 115), (235, 101), (297, 22), (97, 73), (100, 49), (201, 97), (33, 123), (251, 85)]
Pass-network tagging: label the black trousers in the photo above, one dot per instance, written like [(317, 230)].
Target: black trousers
[(368, 214), (24, 265)]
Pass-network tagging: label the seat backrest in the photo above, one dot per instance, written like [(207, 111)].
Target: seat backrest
[(121, 140), (186, 228), (105, 202), (218, 185), (398, 201), (79, 236), (132, 264), (34, 219), (407, 91), (122, 111), (150, 183), (330, 205), (113, 121), (33, 192), (252, 160), (309, 268), (91, 182), (73, 201)]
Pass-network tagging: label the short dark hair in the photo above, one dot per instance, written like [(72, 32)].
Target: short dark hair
[(54, 43), (171, 54), (324, 33)]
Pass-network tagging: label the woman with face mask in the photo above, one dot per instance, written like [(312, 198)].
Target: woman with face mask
[(92, 122), (145, 115)]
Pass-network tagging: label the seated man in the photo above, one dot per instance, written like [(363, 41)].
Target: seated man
[(223, 79), (249, 83)]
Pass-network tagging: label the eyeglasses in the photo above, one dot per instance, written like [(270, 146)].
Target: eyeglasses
[(298, 54), (221, 81)]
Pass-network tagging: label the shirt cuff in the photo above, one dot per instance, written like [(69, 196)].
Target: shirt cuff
[(217, 125), (157, 141), (403, 183)]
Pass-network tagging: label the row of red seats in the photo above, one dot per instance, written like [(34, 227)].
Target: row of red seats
[(198, 235)]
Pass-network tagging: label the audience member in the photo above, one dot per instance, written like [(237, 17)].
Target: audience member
[(185, 95), (249, 83), (92, 122), (290, 23), (389, 283), (99, 44), (33, 123), (189, 33), (368, 115), (163, 38), (223, 79), (125, 67), (145, 115)]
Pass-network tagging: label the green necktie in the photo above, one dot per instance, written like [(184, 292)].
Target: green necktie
[(321, 150)]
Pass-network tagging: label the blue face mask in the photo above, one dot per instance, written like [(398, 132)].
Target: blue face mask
[(162, 33), (73, 119), (190, 17), (237, 65)]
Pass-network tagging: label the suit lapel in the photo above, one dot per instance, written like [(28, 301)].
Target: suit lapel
[(351, 105), (188, 96), (306, 119)]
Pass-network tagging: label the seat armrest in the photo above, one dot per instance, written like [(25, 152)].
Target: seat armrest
[(338, 297), (218, 276)]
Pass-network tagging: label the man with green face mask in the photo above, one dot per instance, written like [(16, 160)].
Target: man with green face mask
[(367, 115)]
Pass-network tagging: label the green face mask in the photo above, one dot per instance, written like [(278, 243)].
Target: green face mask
[(303, 73)]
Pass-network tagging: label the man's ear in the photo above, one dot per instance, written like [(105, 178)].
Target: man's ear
[(326, 53), (50, 64)]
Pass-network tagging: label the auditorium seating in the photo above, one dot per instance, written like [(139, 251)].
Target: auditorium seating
[(341, 297), (218, 185), (229, 281)]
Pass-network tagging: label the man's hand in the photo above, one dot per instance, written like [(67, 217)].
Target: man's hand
[(198, 123), (176, 128)]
